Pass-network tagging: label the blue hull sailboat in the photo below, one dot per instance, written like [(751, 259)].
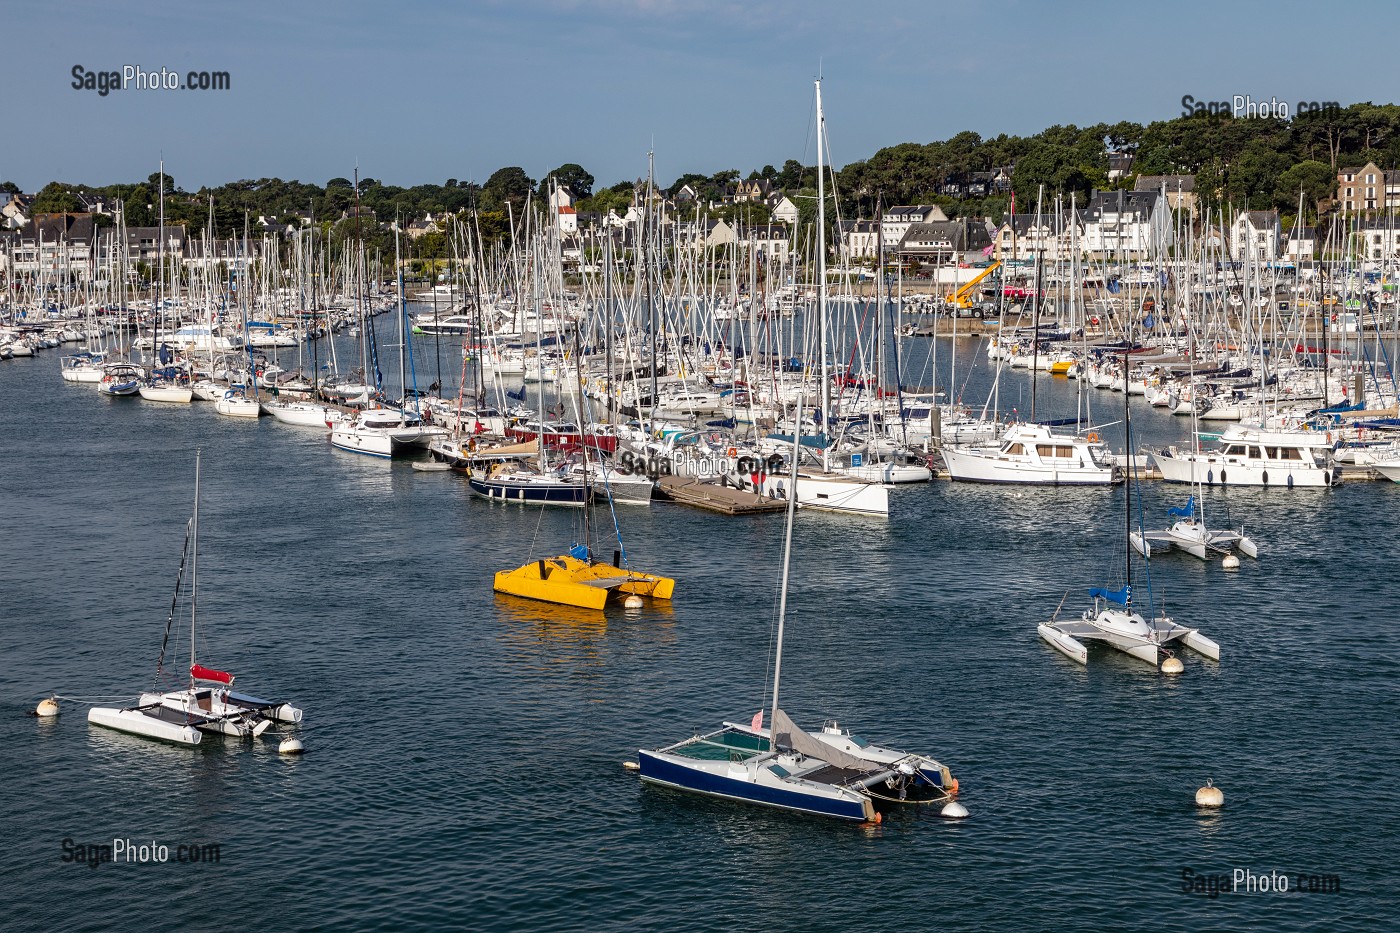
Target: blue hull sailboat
[(829, 773)]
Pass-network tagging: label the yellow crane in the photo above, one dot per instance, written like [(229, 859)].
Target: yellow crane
[(962, 298)]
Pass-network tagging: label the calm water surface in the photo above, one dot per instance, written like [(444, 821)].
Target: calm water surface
[(464, 750)]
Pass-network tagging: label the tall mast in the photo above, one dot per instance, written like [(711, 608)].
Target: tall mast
[(403, 312), (652, 322), (160, 268), (194, 561), (1035, 304), (1128, 488), (608, 323), (787, 564), (821, 289)]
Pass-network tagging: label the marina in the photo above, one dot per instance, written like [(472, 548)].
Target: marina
[(383, 596), (895, 491)]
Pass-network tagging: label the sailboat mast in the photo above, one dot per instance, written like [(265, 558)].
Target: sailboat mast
[(194, 562), (821, 288), (1035, 302), (160, 269), (608, 324), (1127, 487), (787, 564), (539, 340), (652, 324)]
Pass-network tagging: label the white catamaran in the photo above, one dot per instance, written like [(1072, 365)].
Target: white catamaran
[(207, 702)]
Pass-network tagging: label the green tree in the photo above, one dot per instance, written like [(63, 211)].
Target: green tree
[(792, 176), (153, 181), (9, 187), (506, 186), (494, 227), (56, 198), (570, 175), (1314, 180)]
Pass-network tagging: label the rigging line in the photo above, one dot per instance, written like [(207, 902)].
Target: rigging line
[(175, 597)]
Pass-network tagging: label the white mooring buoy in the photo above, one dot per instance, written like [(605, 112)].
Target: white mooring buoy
[(290, 746), (633, 601), (953, 810), (1210, 796), (47, 708), (1172, 666), (631, 766), (1230, 562)]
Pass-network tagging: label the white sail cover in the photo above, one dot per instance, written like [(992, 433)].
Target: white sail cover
[(786, 734)]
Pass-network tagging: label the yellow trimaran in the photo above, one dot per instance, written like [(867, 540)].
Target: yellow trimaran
[(574, 581), (575, 578)]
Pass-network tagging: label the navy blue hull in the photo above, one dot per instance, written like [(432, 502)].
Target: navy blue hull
[(658, 770), (529, 494)]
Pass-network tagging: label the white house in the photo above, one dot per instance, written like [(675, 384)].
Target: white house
[(1301, 244), (1051, 236), (962, 240), (561, 196), (1131, 225), (1378, 239), (860, 239), (773, 242), (15, 210), (783, 211), (897, 220), (1256, 235)]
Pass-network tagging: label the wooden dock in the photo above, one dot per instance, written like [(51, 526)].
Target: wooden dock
[(713, 497)]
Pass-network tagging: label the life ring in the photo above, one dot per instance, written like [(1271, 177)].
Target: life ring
[(732, 452), (1093, 437)]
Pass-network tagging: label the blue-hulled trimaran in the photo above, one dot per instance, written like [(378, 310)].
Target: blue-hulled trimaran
[(828, 773), (208, 702)]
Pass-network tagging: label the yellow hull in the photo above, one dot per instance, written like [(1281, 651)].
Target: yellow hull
[(572, 582), (1060, 367)]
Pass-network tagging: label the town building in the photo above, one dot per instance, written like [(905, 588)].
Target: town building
[(1256, 235), (1126, 225), (1180, 190)]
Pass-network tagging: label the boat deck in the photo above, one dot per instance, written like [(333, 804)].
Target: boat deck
[(720, 746), (837, 777), (174, 716)]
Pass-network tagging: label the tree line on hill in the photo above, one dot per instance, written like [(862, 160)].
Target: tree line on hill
[(1254, 163)]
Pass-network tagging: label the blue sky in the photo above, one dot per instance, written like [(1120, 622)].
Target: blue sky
[(424, 91)]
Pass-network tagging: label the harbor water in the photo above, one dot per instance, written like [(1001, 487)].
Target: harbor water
[(464, 750)]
